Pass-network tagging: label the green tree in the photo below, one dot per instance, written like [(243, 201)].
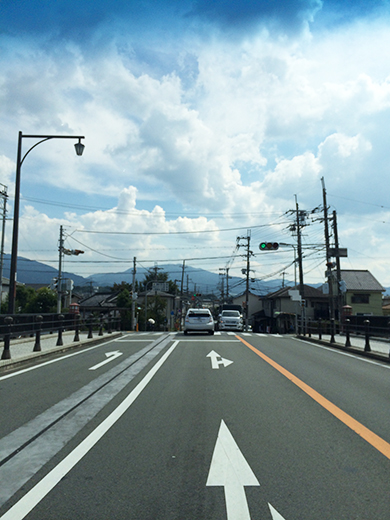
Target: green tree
[(43, 300), (23, 296), (158, 276), (156, 310), (124, 299)]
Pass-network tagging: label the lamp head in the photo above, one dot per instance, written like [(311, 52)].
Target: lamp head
[(79, 147)]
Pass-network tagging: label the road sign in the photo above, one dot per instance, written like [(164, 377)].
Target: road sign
[(338, 252), (160, 286)]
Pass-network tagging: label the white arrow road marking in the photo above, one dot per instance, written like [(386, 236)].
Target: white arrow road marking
[(110, 356), (230, 470), (275, 514), (217, 360)]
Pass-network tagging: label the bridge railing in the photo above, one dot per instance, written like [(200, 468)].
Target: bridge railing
[(18, 326)]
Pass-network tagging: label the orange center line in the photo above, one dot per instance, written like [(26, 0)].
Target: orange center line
[(366, 434)]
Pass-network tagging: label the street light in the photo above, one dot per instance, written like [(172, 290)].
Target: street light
[(19, 161)]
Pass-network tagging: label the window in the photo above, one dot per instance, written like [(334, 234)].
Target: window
[(360, 298)]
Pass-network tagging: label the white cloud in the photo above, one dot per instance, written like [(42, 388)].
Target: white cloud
[(264, 119)]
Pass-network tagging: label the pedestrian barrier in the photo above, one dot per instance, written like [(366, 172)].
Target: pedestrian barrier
[(35, 325), (354, 331)]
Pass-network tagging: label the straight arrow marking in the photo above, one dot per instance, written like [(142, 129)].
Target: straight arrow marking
[(217, 360), (230, 470), (110, 357), (274, 513)]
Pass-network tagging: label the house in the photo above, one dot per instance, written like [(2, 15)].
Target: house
[(255, 303), (99, 303), (280, 308), (363, 292)]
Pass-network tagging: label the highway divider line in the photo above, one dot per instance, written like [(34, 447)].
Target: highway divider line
[(377, 442), (26, 504)]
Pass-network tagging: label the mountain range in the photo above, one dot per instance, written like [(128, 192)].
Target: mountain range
[(198, 280)]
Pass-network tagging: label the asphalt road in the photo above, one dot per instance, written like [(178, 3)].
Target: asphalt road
[(176, 427)]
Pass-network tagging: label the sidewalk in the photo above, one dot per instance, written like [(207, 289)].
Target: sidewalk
[(380, 349), (22, 349)]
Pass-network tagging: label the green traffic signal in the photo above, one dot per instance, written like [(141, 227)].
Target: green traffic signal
[(269, 246)]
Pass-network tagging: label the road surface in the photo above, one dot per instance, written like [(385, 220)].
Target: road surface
[(173, 427)]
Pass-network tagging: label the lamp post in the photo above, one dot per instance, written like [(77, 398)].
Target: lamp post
[(79, 147)]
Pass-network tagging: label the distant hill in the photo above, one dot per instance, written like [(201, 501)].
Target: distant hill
[(32, 272), (206, 282), (200, 279)]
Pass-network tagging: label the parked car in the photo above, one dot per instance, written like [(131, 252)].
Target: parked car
[(199, 320), (231, 320)]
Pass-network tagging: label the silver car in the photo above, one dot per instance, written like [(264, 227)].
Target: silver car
[(231, 320), (199, 320)]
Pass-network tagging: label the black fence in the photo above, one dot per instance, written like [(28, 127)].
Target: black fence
[(379, 326), (35, 325), (365, 327)]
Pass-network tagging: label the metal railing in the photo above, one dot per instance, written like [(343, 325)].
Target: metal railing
[(35, 325), (348, 328)]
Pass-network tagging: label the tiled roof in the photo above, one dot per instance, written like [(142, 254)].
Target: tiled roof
[(308, 292), (363, 280), (96, 300)]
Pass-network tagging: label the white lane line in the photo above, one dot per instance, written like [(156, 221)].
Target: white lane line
[(26, 504), (348, 354)]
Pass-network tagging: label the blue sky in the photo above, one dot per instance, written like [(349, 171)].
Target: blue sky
[(204, 116)]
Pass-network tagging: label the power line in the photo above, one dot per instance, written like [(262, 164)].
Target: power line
[(168, 232)]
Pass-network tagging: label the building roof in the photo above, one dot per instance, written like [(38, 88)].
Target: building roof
[(360, 280), (99, 300), (308, 292)]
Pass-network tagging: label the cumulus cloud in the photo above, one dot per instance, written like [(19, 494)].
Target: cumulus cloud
[(198, 125)]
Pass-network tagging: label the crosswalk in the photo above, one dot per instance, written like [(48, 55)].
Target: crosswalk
[(216, 333)]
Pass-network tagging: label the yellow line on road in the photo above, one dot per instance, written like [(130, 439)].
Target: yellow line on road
[(366, 434)]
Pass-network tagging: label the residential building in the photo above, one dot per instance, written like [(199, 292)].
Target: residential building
[(363, 292)]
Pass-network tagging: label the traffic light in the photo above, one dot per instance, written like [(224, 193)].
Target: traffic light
[(269, 246)]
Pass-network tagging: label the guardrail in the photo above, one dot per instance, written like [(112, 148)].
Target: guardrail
[(34, 325)]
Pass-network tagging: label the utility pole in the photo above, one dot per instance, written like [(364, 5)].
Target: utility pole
[(4, 208), (327, 247), (59, 280), (338, 268), (227, 284), (248, 255), (181, 294), (222, 274), (300, 216), (134, 296)]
